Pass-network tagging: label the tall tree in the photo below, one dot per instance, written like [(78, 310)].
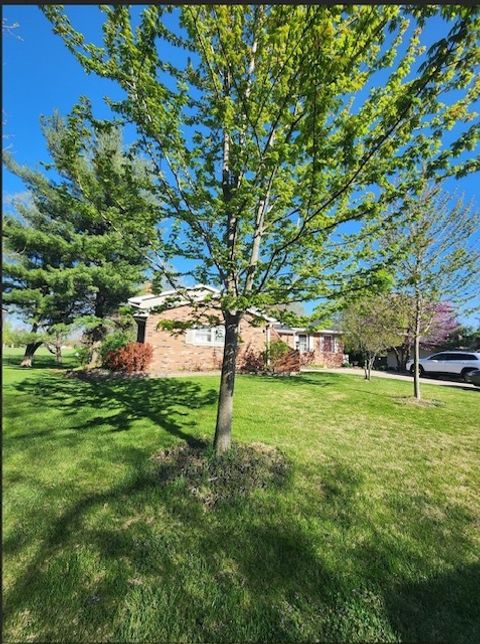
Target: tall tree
[(31, 287), (441, 238), (271, 127), (76, 248)]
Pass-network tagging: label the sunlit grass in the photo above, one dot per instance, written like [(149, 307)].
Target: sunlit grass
[(375, 537)]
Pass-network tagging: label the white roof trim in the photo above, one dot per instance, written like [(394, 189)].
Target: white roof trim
[(262, 315), (147, 302), (290, 330)]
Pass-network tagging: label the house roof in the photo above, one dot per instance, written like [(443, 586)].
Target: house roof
[(287, 330), (147, 302), (144, 303)]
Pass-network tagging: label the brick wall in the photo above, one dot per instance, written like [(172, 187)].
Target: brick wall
[(173, 353), (321, 358), (328, 358)]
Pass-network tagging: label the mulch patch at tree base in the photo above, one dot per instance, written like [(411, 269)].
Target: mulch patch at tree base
[(411, 400), (218, 479), (103, 374)]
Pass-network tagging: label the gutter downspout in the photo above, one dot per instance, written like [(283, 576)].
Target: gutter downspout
[(267, 338)]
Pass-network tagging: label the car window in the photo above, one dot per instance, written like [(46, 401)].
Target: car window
[(460, 356), (438, 356)]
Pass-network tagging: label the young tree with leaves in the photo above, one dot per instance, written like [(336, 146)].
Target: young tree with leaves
[(268, 133), (370, 327), (440, 263), (440, 322), (76, 248)]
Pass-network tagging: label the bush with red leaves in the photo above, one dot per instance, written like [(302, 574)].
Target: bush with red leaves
[(289, 362), (307, 358), (283, 360), (252, 362), (132, 358)]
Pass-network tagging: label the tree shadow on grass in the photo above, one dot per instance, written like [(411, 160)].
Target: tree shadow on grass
[(444, 608), (274, 559), (194, 571), (30, 586), (165, 402), (325, 380)]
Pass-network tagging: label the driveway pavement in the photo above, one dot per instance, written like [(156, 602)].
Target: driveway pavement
[(394, 376)]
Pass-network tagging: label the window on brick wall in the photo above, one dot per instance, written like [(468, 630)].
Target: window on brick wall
[(328, 343), (208, 336), (301, 343)]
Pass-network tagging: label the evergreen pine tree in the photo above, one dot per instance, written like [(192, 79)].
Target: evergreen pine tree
[(78, 247)]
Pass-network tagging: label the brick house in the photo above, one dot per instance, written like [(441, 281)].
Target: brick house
[(201, 348), (326, 344)]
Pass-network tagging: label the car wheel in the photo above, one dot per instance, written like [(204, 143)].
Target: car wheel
[(421, 370), (464, 373)]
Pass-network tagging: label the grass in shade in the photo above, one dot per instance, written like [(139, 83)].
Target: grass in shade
[(373, 536)]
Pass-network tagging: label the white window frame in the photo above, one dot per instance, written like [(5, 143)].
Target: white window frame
[(215, 336), (307, 342)]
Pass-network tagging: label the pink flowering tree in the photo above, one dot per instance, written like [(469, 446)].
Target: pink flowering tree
[(444, 323), (438, 323)]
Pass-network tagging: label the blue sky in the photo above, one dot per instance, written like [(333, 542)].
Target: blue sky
[(40, 75)]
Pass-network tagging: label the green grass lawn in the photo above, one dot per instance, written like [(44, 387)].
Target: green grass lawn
[(376, 535)]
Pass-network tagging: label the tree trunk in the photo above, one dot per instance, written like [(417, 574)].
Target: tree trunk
[(402, 355), (368, 364), (94, 355), (95, 338), (416, 354), (30, 349), (223, 431), (56, 350), (397, 358), (29, 353)]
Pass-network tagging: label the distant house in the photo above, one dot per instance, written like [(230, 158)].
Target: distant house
[(326, 344), (201, 348), (390, 360)]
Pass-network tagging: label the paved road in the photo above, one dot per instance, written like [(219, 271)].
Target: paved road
[(395, 376)]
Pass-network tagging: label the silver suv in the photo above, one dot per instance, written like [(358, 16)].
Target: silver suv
[(457, 363)]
